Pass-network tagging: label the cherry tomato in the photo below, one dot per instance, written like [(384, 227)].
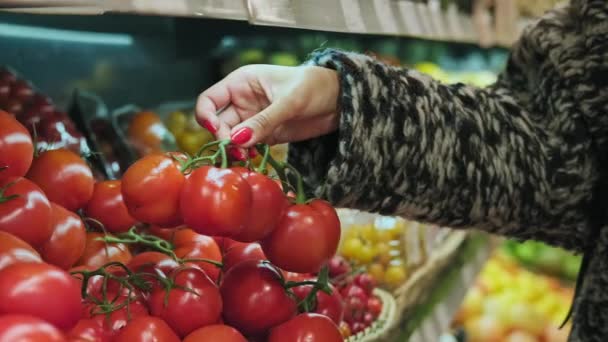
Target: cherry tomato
[(254, 297), (344, 329), (67, 242), (97, 253), (366, 282), (306, 237), (338, 266), (40, 290), (215, 333), (216, 201), (107, 206), (151, 190), (89, 330), (330, 305), (239, 252), (190, 245), (185, 310), (16, 148), (151, 262), (307, 327), (64, 177), (267, 205), (14, 250), (147, 329), (28, 214), (24, 328), (374, 306)]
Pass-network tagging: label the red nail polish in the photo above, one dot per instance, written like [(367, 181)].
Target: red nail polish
[(253, 152), (241, 136), (236, 153), (209, 126)]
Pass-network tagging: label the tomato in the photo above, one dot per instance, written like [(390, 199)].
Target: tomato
[(23, 328), (151, 190), (190, 245), (151, 262), (338, 266), (215, 333), (254, 297), (40, 290), (374, 306), (97, 253), (366, 282), (267, 204), (89, 330), (13, 250), (330, 305), (306, 327), (112, 323), (28, 215), (147, 329), (216, 201), (67, 242), (185, 310), (107, 206), (239, 252), (306, 237), (16, 148), (146, 132)]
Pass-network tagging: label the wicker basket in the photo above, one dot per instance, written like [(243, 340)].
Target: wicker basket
[(383, 326)]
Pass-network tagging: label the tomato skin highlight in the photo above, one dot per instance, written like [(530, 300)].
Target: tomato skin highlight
[(97, 253), (151, 190), (306, 237), (254, 297), (215, 333), (14, 250), (16, 148), (108, 207), (24, 328), (239, 252), (89, 330), (28, 216), (216, 201), (191, 245), (141, 329), (40, 290), (306, 328), (64, 177), (68, 239)]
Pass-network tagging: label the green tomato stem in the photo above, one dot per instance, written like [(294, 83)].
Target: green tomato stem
[(4, 198)]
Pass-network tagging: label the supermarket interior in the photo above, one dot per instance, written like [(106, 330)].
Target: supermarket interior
[(127, 242)]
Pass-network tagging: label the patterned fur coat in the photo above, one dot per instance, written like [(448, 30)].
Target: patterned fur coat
[(524, 158)]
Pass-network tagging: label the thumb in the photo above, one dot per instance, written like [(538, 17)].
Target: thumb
[(260, 126)]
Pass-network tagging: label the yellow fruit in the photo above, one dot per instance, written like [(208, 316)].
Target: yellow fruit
[(383, 253), (368, 233), (383, 235), (366, 254), (394, 275), (521, 336), (176, 122), (351, 247), (190, 142), (485, 329), (377, 271)]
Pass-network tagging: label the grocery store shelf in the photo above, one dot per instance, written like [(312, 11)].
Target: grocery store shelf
[(385, 17)]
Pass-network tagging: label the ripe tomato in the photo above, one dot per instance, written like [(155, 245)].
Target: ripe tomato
[(330, 305), (67, 242), (216, 201), (374, 305), (40, 290), (146, 132), (215, 333), (186, 311), (14, 250), (112, 323), (64, 177), (150, 262), (306, 237), (97, 253), (254, 297), (23, 328), (28, 215), (16, 148), (147, 329), (307, 327), (190, 245), (151, 190), (89, 330), (107, 206), (267, 205), (239, 252)]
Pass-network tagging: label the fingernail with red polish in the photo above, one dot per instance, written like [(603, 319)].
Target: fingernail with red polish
[(209, 126), (241, 136), (237, 154), (253, 153)]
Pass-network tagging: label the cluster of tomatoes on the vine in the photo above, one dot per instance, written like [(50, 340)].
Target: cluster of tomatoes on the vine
[(181, 248)]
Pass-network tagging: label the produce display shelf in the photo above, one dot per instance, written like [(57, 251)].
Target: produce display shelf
[(386, 17)]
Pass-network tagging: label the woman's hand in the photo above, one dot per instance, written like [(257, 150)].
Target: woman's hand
[(271, 104)]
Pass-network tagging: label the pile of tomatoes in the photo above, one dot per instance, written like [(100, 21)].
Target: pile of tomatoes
[(179, 249)]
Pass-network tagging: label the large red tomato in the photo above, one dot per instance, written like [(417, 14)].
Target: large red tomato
[(190, 245), (267, 204), (306, 237), (240, 251), (24, 328), (254, 297), (67, 242), (16, 148), (64, 177), (330, 305), (40, 290), (13, 250), (306, 327), (27, 215), (89, 330), (97, 253), (108, 207), (215, 333), (216, 201), (151, 190), (184, 310), (147, 329), (152, 262)]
